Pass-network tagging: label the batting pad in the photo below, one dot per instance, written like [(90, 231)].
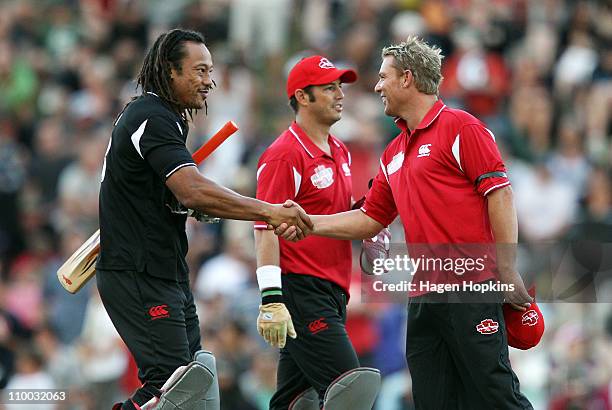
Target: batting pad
[(307, 400), (354, 390), (210, 401), (184, 389)]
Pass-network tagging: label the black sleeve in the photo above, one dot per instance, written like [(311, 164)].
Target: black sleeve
[(163, 147)]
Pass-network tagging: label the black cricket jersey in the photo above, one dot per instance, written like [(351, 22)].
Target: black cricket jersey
[(141, 227)]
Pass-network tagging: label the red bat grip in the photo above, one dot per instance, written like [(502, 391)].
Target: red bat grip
[(205, 150)]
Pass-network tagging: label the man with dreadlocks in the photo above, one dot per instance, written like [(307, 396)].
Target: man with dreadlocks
[(148, 181)]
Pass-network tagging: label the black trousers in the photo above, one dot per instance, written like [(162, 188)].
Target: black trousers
[(156, 319), (457, 361), (322, 350)]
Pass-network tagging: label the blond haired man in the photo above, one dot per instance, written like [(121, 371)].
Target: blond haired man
[(444, 176)]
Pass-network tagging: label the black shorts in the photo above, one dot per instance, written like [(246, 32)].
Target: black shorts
[(322, 350), (458, 357), (156, 319)]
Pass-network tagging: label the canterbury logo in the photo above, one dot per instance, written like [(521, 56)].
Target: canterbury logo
[(159, 312), (530, 318), (317, 326), (487, 327), (424, 150), (68, 281)]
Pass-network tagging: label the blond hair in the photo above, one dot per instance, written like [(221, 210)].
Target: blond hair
[(423, 60)]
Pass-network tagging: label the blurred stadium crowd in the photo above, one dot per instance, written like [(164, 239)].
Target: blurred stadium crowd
[(538, 72)]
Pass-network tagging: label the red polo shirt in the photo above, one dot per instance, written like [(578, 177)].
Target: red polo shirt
[(431, 177), (293, 167)]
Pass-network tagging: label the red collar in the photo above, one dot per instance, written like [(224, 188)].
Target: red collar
[(427, 120), (310, 147)]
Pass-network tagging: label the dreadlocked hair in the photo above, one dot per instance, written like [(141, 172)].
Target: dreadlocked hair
[(166, 53)]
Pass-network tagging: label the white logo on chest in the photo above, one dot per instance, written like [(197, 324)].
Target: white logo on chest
[(322, 177), (424, 150), (346, 169), (396, 163)]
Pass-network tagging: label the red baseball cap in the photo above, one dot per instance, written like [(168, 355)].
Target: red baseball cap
[(524, 329), (316, 70)]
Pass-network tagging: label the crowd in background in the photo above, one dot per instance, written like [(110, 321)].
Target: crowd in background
[(538, 72)]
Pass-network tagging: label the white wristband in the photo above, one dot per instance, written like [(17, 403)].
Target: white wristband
[(269, 276)]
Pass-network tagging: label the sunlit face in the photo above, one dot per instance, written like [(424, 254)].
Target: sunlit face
[(193, 83), (328, 102), (390, 85)]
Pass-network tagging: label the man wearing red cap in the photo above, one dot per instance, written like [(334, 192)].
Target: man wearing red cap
[(304, 286)]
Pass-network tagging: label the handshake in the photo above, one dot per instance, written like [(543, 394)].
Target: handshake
[(290, 221)]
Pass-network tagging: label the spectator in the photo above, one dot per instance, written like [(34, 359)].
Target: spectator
[(544, 206), (30, 374)]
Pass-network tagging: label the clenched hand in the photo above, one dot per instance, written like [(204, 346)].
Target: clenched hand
[(519, 299)]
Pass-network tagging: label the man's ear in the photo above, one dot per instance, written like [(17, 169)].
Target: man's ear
[(173, 72), (407, 78), (301, 97)]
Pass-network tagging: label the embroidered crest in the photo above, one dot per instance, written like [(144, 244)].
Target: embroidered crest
[(323, 177)]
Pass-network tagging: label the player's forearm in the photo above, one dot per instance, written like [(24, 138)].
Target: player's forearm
[(224, 203), (267, 248), (206, 196), (504, 225), (346, 225)]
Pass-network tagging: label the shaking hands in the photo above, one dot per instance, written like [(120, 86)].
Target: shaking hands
[(289, 230), (290, 222)]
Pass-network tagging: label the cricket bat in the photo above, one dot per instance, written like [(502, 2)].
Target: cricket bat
[(81, 265)]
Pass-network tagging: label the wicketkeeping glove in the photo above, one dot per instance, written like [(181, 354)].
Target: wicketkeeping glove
[(375, 248), (274, 324)]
